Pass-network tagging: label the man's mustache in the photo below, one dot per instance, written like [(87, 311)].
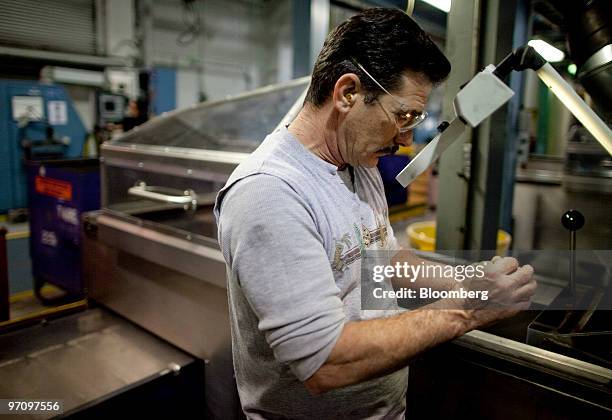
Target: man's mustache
[(390, 150)]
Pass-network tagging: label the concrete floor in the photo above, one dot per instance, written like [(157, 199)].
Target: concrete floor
[(25, 305)]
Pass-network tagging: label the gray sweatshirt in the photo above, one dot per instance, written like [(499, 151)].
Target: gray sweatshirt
[(292, 232)]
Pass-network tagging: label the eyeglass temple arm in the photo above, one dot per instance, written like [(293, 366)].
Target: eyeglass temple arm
[(375, 81)]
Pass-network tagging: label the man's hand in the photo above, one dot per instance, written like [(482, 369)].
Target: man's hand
[(510, 288)]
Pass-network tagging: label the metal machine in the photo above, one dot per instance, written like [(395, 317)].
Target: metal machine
[(588, 28), (151, 253), (588, 166), (40, 123), (41, 134)]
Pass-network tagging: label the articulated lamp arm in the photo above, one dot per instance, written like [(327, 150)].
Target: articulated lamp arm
[(486, 93)]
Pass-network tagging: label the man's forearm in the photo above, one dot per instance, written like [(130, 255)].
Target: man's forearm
[(373, 348), (435, 283)]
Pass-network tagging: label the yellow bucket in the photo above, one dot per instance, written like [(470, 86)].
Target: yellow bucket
[(422, 236)]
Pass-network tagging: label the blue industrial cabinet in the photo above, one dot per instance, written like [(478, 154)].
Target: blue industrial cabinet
[(60, 191), (55, 111)]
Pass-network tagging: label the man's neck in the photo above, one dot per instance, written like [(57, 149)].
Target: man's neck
[(316, 128)]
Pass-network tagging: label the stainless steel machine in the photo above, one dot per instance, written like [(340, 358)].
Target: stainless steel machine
[(151, 253)]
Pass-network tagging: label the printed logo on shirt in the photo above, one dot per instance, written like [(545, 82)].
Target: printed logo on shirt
[(346, 253)]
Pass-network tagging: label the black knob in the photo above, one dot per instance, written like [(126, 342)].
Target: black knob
[(572, 220)]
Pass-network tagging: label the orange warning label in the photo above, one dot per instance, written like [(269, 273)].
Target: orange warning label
[(54, 188)]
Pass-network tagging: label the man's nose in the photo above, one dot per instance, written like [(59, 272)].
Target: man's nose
[(404, 139)]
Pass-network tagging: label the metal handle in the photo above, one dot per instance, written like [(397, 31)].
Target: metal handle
[(188, 198)]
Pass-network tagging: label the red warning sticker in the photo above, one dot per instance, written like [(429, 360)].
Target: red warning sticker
[(54, 188)]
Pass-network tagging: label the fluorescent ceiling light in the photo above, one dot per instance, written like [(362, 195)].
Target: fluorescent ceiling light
[(547, 51), (443, 5)]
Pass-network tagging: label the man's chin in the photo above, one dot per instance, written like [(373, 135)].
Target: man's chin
[(371, 162)]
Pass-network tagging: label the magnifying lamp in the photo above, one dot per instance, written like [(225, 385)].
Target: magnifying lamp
[(486, 93)]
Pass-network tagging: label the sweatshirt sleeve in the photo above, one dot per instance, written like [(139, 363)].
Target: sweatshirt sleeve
[(273, 249)]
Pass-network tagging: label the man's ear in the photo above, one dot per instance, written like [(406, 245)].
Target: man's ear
[(346, 90)]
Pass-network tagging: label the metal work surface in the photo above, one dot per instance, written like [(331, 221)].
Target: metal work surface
[(508, 338), (170, 286), (483, 377), (82, 358), (493, 373), (520, 352)]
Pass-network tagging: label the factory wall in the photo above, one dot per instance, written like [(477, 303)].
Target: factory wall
[(241, 46), (55, 25), (278, 53), (117, 26), (84, 102)]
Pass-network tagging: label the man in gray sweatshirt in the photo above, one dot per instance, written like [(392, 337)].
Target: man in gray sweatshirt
[(295, 218)]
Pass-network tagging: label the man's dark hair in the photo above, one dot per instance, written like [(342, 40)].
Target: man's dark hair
[(386, 42)]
